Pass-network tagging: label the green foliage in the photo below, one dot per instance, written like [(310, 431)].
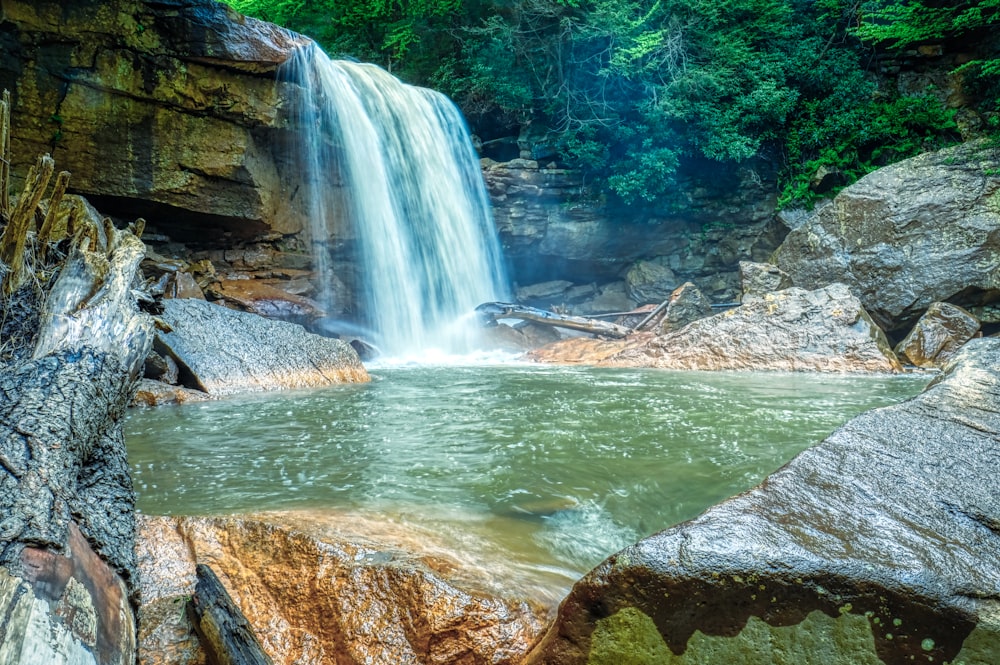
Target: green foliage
[(633, 90)]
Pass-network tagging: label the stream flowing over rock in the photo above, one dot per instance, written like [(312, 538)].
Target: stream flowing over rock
[(221, 351), (924, 230), (824, 330), (324, 600), (878, 545)]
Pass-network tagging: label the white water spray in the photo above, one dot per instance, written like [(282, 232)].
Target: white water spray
[(413, 190)]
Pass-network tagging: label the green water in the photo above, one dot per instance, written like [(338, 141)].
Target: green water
[(548, 469)]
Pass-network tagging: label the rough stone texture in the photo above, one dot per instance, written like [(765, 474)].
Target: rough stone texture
[(324, 600), (222, 351), (687, 305), (260, 297), (825, 330), (157, 393), (163, 109), (878, 545), (550, 230), (759, 279), (650, 282), (938, 335), (924, 230)]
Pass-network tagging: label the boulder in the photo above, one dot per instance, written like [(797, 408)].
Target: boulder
[(611, 297), (547, 291), (687, 304), (924, 230), (825, 330), (157, 393), (938, 335), (267, 299), (650, 282), (320, 598), (759, 279), (222, 351), (878, 545)]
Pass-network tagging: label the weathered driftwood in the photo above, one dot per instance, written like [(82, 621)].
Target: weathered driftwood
[(71, 348), (490, 312), (222, 628)]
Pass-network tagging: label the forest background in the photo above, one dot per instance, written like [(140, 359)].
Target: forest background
[(633, 92)]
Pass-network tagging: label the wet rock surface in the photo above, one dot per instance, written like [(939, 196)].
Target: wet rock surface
[(938, 335), (923, 230), (791, 330), (878, 545), (221, 351), (320, 599)]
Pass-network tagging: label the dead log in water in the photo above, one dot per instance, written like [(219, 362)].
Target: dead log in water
[(72, 345), (490, 312)]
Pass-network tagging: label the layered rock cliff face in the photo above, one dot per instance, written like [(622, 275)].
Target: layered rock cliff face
[(165, 109), (550, 230)]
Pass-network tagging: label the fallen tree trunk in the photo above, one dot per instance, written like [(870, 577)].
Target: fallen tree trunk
[(72, 344), (490, 312)]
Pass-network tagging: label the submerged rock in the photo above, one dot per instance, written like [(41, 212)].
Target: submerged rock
[(323, 600), (938, 335), (878, 545), (824, 330), (222, 351), (923, 230)]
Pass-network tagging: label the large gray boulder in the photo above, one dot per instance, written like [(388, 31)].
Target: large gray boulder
[(938, 335), (879, 545), (223, 351), (926, 229)]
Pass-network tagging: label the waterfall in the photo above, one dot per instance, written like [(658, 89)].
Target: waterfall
[(408, 178)]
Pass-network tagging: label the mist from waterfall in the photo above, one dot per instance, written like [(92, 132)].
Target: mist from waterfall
[(407, 176)]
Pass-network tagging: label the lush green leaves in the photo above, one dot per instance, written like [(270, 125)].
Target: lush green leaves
[(631, 90)]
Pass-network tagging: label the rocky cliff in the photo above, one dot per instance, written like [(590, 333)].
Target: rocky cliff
[(165, 109)]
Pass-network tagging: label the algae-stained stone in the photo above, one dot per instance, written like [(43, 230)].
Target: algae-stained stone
[(877, 546), (687, 304), (759, 279), (939, 333), (223, 351)]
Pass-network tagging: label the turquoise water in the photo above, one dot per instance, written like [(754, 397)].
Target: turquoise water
[(549, 469)]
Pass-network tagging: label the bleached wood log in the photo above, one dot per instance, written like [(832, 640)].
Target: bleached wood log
[(492, 311)]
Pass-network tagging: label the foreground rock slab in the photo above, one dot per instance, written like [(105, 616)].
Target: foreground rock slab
[(825, 330), (222, 351), (879, 545), (323, 601)]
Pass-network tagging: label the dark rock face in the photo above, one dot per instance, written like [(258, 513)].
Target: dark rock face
[(167, 110), (221, 351), (924, 230), (938, 335), (879, 544), (549, 230)]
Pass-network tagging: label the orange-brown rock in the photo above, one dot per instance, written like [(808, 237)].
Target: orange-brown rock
[(157, 393), (265, 298), (824, 330), (322, 600)]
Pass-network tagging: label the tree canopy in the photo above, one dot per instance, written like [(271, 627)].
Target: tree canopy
[(632, 90)]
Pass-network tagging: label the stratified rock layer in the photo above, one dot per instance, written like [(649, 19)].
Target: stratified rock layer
[(879, 545), (221, 351), (164, 109), (323, 602), (824, 330), (923, 230)]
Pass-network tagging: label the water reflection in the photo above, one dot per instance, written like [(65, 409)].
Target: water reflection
[(547, 469)]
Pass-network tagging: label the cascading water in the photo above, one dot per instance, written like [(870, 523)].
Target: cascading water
[(412, 188)]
